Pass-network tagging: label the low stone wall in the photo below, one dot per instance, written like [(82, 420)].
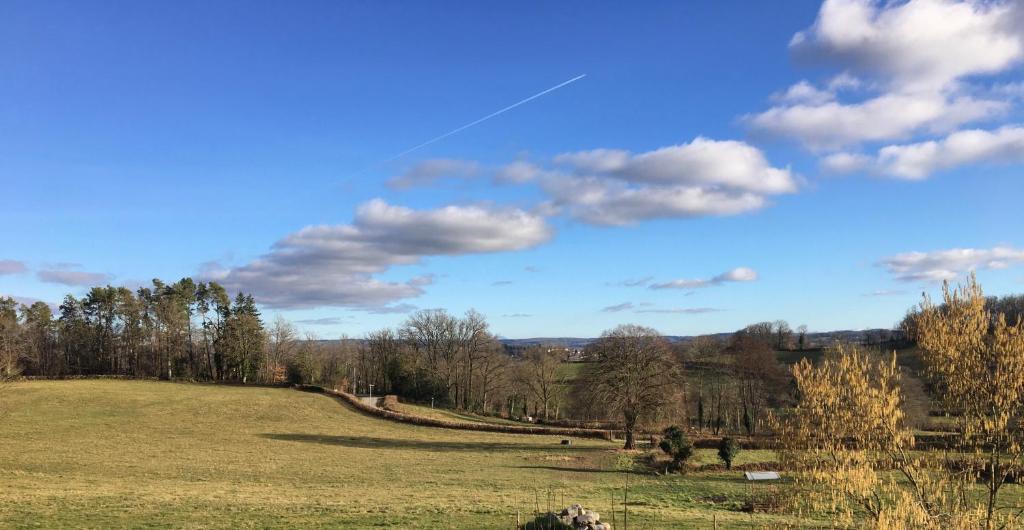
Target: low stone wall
[(357, 404)]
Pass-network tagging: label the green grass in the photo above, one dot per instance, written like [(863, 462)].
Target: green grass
[(572, 371), (119, 454)]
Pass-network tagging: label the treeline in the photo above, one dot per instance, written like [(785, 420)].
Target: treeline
[(194, 330), (454, 361), (1010, 307), (184, 330), (737, 381)]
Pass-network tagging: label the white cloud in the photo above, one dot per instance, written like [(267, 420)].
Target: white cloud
[(739, 274), (726, 164), (603, 202), (430, 171), (517, 173), (702, 178), (949, 264), (10, 266), (334, 265), (845, 162), (918, 44), (889, 116), (844, 81), (804, 92), (916, 55), (917, 161)]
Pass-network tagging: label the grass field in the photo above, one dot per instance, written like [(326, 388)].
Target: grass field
[(437, 413), (118, 454)]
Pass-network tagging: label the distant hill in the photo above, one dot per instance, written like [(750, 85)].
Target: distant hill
[(816, 339)]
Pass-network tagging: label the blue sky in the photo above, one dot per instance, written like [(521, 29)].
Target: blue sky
[(734, 161)]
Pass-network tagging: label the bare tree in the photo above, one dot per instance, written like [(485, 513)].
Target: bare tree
[(433, 335), (783, 335), (280, 347), (704, 354), (758, 376), (11, 350), (474, 337), (635, 374), (541, 375), (384, 349), (494, 374)]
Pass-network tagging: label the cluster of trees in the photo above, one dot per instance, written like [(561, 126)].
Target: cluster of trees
[(848, 431), (433, 357), (738, 380), (180, 330)]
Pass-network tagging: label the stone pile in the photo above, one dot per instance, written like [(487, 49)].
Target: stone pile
[(580, 518)]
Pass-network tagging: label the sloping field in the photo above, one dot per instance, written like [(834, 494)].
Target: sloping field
[(115, 454), (451, 415)]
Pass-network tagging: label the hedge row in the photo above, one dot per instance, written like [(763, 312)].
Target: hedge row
[(357, 404)]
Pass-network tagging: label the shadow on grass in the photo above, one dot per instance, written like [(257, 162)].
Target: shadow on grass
[(365, 442)]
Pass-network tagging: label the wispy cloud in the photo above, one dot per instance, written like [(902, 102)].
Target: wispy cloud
[(624, 306), (739, 274), (681, 310), (949, 264), (430, 171), (886, 292), (517, 315), (391, 309), (500, 283), (635, 282), (66, 275), (326, 321), (10, 266), (28, 301)]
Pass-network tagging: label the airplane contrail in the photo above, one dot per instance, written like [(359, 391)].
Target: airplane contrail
[(485, 118)]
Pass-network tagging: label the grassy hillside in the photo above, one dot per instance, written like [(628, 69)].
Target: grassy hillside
[(109, 454), (442, 414)]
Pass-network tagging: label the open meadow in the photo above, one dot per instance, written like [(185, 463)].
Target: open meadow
[(141, 454)]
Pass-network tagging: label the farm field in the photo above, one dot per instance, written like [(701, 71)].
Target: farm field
[(119, 454), (442, 414)]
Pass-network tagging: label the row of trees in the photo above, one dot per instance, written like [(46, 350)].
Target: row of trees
[(195, 331), (456, 361), (179, 330)]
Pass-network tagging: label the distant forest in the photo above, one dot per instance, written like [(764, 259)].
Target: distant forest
[(191, 330)]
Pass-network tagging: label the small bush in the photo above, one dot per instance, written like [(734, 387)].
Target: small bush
[(677, 446), (728, 448)]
